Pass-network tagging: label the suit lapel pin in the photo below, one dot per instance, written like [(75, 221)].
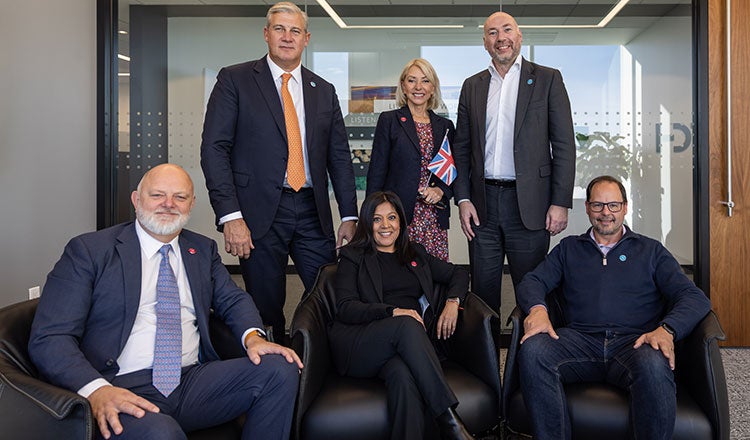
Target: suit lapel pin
[(192, 251), (312, 83), (413, 264), (530, 81), (403, 118)]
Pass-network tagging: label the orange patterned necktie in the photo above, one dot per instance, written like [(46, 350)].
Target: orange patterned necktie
[(295, 167)]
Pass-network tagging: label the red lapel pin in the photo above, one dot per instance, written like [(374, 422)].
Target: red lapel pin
[(413, 264), (192, 251), (403, 119)]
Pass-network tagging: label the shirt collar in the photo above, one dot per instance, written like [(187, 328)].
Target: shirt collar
[(150, 246), (607, 246), (277, 71), (516, 66)]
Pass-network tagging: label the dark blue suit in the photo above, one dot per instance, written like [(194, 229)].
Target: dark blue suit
[(244, 158), (89, 305), (395, 161)]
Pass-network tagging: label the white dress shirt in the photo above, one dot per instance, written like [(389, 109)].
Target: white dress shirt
[(138, 353), (500, 123)]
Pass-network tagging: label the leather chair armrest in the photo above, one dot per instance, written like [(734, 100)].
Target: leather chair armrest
[(698, 363), (309, 336), (472, 345), (511, 380), (31, 407)]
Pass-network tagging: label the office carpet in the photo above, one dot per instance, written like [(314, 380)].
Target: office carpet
[(737, 370)]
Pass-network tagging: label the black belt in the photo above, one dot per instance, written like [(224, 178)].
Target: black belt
[(500, 183), (291, 191)]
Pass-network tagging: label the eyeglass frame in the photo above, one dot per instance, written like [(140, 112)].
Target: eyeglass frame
[(618, 205)]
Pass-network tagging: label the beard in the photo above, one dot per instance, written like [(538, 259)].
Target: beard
[(506, 59), (613, 228), (152, 223)]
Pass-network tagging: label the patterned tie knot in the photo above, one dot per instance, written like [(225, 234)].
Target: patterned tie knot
[(285, 78), (164, 251)]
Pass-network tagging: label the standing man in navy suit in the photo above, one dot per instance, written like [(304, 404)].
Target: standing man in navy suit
[(515, 154), (248, 156), (98, 326)]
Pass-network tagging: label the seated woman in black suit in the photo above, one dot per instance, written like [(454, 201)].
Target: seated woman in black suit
[(387, 315)]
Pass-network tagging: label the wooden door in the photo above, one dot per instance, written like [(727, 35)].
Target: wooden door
[(729, 237)]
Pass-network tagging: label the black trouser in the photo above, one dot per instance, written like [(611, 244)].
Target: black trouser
[(399, 351)]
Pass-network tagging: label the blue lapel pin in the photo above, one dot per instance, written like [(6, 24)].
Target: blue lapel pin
[(530, 81), (312, 83)]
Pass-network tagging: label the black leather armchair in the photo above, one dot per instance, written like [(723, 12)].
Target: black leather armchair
[(599, 411), (332, 407), (33, 409)]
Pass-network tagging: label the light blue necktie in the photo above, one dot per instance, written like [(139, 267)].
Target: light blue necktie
[(168, 342)]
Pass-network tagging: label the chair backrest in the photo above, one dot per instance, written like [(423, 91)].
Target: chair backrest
[(309, 334), (322, 292), (15, 328)]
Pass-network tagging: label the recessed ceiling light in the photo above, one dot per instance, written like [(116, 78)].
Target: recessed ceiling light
[(602, 23), (335, 17)]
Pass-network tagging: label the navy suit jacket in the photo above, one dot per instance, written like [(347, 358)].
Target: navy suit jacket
[(396, 158), (244, 150), (91, 297), (544, 149)]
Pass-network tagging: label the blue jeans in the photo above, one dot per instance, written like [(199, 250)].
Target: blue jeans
[(546, 364)]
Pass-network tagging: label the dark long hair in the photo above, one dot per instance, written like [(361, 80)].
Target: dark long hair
[(363, 236)]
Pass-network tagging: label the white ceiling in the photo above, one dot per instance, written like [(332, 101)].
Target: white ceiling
[(633, 19)]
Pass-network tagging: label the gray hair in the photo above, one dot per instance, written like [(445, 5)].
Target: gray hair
[(288, 8)]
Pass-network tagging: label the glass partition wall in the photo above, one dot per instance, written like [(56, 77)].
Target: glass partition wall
[(627, 66)]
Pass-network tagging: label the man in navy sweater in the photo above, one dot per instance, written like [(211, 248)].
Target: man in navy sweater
[(626, 302)]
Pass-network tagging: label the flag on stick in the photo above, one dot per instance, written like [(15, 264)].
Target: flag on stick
[(442, 164)]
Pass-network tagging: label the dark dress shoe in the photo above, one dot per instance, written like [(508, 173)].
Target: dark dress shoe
[(451, 427)]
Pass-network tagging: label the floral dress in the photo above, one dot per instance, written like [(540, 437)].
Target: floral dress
[(424, 228)]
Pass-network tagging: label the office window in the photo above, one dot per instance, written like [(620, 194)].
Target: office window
[(630, 85)]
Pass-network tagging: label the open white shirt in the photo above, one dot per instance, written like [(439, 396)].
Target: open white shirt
[(500, 123)]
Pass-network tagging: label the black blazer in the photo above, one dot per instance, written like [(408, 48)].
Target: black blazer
[(244, 150), (358, 288), (544, 146), (396, 159)]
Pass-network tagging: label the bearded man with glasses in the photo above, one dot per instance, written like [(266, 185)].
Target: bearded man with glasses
[(626, 301)]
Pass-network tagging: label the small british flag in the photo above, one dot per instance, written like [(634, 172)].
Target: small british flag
[(442, 164)]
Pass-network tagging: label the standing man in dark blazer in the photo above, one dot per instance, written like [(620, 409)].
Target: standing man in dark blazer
[(515, 155), (267, 165), (123, 321)]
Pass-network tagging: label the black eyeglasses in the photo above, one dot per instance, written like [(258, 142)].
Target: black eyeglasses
[(599, 206)]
